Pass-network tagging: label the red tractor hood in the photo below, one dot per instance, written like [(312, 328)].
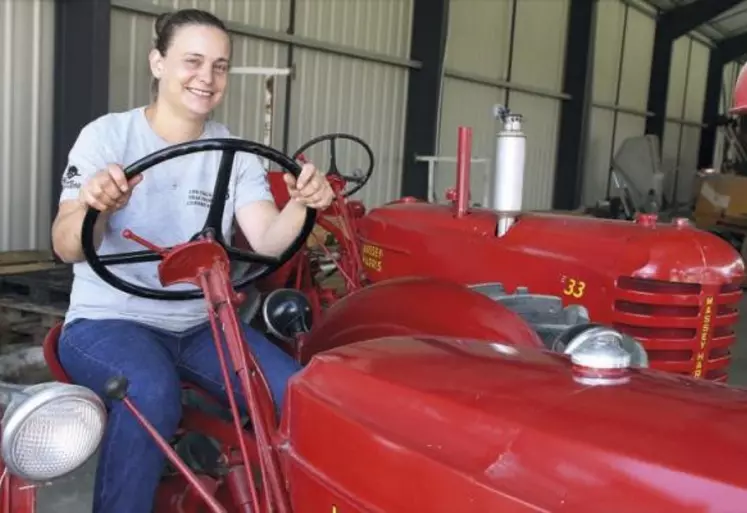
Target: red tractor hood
[(433, 425), (688, 254), (668, 252)]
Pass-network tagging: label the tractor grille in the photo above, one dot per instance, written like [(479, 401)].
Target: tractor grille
[(686, 328)]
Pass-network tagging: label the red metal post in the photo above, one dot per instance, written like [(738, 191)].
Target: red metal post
[(464, 159)]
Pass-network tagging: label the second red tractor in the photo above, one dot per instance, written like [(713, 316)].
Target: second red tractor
[(673, 287)]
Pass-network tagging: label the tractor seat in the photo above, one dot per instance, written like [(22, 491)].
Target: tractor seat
[(50, 354)]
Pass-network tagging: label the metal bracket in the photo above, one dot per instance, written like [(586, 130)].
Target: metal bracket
[(432, 160)]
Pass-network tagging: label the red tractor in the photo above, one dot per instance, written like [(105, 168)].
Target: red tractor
[(451, 404), (671, 286)]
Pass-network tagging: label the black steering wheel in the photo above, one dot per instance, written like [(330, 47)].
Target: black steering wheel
[(211, 229), (359, 179)]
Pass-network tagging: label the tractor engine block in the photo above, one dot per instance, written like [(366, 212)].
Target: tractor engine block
[(544, 313)]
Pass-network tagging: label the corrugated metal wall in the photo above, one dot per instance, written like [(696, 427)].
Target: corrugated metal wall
[(26, 110), (687, 84), (343, 94), (329, 93), (512, 53), (132, 39), (622, 68), (366, 93)]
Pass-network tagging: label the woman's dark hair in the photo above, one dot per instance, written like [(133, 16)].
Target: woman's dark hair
[(169, 22)]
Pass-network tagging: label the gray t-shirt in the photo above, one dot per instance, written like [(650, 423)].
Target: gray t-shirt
[(168, 207)]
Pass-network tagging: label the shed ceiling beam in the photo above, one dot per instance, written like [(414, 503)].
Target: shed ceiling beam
[(682, 19), (671, 25), (430, 23), (733, 48)]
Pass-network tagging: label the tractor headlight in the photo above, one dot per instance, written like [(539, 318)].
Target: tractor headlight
[(49, 430), (599, 345)]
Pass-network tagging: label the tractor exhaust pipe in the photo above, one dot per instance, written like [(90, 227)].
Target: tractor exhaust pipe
[(508, 179)]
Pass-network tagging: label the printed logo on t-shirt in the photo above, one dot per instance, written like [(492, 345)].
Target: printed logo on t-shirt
[(71, 178), (199, 198)]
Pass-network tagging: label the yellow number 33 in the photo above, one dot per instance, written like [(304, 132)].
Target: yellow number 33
[(575, 288)]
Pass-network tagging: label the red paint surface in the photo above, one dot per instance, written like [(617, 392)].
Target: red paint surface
[(16, 495), (405, 424), (414, 306)]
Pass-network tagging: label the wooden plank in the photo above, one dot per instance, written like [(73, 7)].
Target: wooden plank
[(13, 304), (29, 267), (25, 257), (20, 262)]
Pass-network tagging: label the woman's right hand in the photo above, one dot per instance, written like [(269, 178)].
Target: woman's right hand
[(108, 190)]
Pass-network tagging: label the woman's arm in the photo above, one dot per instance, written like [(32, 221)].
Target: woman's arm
[(89, 180), (107, 191), (66, 231), (270, 231)]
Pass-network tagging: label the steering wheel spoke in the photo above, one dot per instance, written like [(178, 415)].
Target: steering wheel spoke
[(132, 257), (220, 194), (333, 156), (359, 177), (251, 257)]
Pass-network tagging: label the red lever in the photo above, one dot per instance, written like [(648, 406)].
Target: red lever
[(129, 234)]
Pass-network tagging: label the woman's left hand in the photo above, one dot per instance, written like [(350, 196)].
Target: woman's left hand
[(311, 189)]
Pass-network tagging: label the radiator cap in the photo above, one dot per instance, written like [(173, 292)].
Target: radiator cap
[(601, 354), (599, 358)]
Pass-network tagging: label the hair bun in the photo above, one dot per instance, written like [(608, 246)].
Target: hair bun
[(161, 21)]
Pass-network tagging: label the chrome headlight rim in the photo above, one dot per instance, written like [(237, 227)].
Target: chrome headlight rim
[(33, 398)]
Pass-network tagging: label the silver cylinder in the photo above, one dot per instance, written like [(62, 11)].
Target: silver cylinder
[(507, 185)]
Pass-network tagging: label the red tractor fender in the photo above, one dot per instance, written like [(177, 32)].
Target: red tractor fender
[(416, 306), (16, 495)]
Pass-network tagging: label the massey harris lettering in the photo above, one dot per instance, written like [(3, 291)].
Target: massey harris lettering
[(705, 337), (372, 256)]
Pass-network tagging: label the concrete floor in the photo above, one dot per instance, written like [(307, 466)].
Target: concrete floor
[(73, 494)]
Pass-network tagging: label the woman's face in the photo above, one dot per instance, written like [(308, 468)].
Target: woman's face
[(194, 73)]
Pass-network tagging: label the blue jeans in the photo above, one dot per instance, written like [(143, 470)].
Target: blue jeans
[(154, 362)]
